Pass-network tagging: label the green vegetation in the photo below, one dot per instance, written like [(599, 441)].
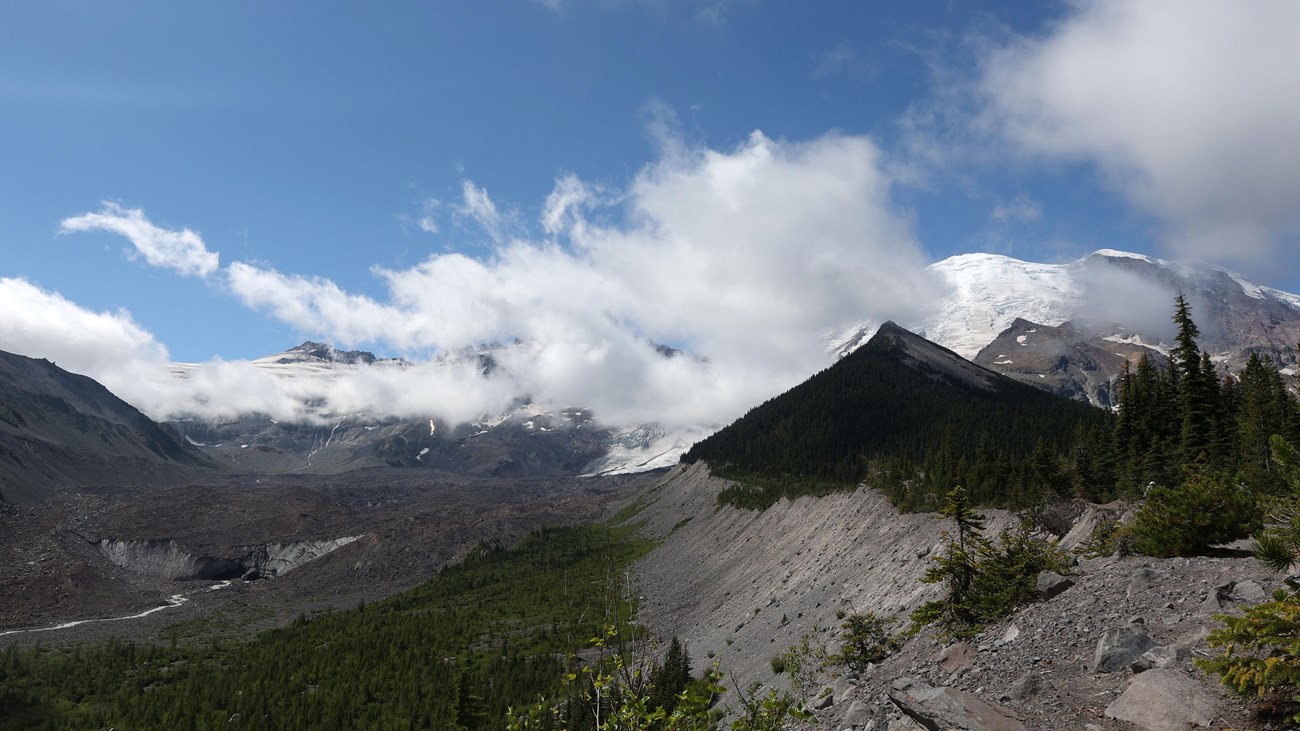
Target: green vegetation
[(865, 639), (1205, 510), (881, 415), (984, 580), (886, 418), (454, 653), (1261, 653)]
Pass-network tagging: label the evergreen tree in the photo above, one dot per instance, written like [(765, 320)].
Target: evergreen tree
[(1196, 387), (671, 678)]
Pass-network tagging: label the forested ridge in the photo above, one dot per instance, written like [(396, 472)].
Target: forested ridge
[(489, 633), (903, 424)]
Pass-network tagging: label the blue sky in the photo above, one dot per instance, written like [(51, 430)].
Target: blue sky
[(313, 142)]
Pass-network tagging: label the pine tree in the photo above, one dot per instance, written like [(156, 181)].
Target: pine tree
[(1196, 387), (1263, 412)]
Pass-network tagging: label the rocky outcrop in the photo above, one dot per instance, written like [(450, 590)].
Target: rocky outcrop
[(949, 709), (167, 559), (1165, 700)]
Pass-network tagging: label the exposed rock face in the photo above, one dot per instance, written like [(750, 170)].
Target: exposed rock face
[(1072, 359), (166, 559), (1165, 700), (950, 709)]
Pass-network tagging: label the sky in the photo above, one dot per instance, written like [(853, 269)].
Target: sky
[(211, 183)]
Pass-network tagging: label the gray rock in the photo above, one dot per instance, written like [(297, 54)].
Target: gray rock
[(1119, 647), (842, 687), (1049, 584), (859, 714), (1142, 580), (1248, 591), (1026, 686), (823, 702), (949, 708), (1165, 656), (1164, 700)]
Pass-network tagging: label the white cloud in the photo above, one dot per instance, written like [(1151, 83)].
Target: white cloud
[(181, 250), (743, 257), (1189, 108), (108, 346), (1021, 208)]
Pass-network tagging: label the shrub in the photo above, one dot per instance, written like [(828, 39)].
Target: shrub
[(1261, 651), (1206, 510), (866, 639), (985, 580)]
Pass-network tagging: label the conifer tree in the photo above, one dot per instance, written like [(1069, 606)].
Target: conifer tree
[(1196, 387)]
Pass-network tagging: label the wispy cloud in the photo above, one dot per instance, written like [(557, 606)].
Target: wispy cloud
[(841, 60), (478, 207), (1021, 209), (183, 250)]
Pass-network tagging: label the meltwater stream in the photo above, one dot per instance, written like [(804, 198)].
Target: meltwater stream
[(175, 600)]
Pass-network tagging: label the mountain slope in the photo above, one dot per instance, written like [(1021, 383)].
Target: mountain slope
[(1005, 313), (898, 396), (58, 428), (526, 440)]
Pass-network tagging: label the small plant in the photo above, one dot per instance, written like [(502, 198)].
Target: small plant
[(803, 662), (866, 639)]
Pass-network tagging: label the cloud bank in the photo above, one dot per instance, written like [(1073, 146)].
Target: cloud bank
[(743, 258), (1188, 108)]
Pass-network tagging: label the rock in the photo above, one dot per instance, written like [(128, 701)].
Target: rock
[(823, 702), (1165, 656), (842, 687), (859, 714), (955, 656), (1118, 648), (949, 708), (1049, 584), (1012, 632), (1164, 700), (1248, 591), (1141, 580), (1026, 686)]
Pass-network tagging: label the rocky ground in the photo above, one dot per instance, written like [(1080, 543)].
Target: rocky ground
[(411, 523), (742, 586)]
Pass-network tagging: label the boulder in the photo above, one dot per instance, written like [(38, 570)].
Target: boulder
[(1026, 686), (956, 656), (1119, 647), (1049, 584), (1164, 700), (859, 714), (1165, 656), (1142, 580), (1248, 591), (949, 708)]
